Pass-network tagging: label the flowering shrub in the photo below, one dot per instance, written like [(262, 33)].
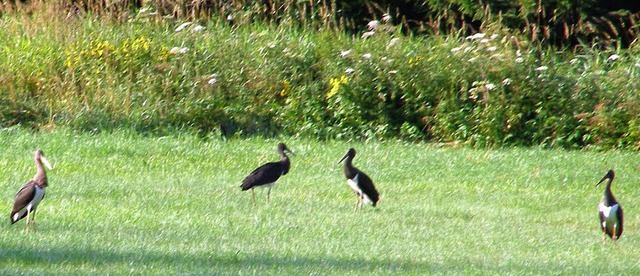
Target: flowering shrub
[(485, 89)]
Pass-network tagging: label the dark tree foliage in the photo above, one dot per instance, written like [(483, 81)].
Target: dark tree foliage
[(558, 22)]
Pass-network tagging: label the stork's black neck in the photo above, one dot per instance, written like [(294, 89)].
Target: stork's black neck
[(284, 161), (349, 170), (283, 155), (609, 199)]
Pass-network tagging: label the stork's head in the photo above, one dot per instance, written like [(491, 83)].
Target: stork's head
[(351, 153), (610, 175), (282, 148), (39, 156)]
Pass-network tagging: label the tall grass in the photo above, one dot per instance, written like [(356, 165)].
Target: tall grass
[(125, 203), (156, 75)]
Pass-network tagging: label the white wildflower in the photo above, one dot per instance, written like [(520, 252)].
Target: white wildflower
[(393, 72), (456, 49), (484, 41), (368, 34), (473, 93), (613, 57), (490, 86), (213, 79), (573, 60), (393, 42), (366, 56), (197, 28), (349, 71), (386, 18), (542, 68), (494, 36), (519, 60), (178, 50), (344, 54), (477, 36), (492, 49), (506, 82), (372, 25), (518, 53), (183, 25), (230, 17)]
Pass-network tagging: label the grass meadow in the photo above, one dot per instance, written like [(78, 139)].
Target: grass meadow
[(125, 203)]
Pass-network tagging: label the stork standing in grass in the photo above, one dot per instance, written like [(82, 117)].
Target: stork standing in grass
[(361, 184), (267, 174), (610, 211), (30, 195)]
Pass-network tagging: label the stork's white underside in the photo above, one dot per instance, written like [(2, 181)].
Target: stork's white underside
[(609, 212), (353, 183), (32, 205)]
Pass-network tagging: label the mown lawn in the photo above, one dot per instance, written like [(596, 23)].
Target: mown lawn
[(129, 204)]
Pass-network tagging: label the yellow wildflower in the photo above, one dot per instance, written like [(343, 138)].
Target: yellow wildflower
[(286, 87), (412, 61), (335, 85)]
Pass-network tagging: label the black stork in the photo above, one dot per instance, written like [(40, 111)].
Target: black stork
[(611, 214), (30, 195), (267, 174), (361, 184)]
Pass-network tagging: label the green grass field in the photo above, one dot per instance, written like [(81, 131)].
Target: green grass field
[(127, 204)]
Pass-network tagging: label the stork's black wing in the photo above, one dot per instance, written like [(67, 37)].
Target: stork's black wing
[(366, 185), (620, 216), (265, 174)]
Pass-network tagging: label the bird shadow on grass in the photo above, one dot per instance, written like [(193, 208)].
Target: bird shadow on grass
[(68, 259), (89, 259)]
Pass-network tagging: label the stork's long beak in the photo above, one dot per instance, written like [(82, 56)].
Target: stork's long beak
[(46, 162), (602, 180), (343, 157)]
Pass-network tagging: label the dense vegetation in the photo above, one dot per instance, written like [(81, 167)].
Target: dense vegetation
[(155, 73)]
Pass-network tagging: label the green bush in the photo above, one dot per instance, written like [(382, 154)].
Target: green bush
[(161, 75)]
